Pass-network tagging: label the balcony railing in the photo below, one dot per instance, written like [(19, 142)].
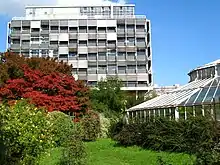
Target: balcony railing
[(75, 16)]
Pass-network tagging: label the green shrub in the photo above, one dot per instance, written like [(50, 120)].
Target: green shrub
[(192, 135), (2, 147), (115, 128), (68, 136), (25, 133), (90, 124), (62, 127), (74, 153), (105, 124)]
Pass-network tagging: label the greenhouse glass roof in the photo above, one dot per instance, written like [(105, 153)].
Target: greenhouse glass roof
[(201, 91)]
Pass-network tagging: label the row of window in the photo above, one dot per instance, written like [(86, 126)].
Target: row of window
[(90, 56), (202, 73), (82, 29), (111, 71), (125, 83)]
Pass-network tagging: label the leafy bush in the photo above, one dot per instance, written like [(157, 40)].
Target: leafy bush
[(2, 147), (26, 133), (74, 153), (105, 124), (115, 128), (55, 92), (11, 68), (62, 127), (192, 135), (108, 96), (68, 137), (90, 124)]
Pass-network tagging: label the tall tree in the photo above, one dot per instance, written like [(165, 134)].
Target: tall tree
[(108, 96), (55, 91), (11, 66)]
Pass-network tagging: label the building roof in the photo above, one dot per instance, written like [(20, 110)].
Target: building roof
[(194, 93), (76, 6), (214, 63)]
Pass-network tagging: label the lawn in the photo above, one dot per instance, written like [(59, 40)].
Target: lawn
[(104, 152)]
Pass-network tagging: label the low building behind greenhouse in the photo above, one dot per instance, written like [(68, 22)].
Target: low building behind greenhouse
[(201, 96)]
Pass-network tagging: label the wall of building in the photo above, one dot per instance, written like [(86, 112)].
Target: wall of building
[(96, 48)]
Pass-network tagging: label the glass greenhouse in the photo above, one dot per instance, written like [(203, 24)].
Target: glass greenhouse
[(201, 96)]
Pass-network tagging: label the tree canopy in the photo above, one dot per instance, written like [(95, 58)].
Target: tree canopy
[(44, 82)]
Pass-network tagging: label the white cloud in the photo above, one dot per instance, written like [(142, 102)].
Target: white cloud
[(16, 7)]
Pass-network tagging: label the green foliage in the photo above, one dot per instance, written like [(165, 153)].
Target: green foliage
[(25, 133), (67, 135), (12, 67), (90, 124), (74, 153), (131, 99), (192, 135), (105, 152), (62, 127), (108, 96), (115, 128), (105, 124), (99, 107), (2, 146)]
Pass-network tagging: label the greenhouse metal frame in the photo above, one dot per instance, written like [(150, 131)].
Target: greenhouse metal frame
[(201, 96)]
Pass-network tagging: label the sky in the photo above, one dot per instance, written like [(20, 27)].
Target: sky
[(185, 33)]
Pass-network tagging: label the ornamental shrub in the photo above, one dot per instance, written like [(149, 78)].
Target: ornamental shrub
[(74, 151), (191, 135), (2, 147), (115, 128), (105, 124), (90, 124), (68, 137), (26, 133), (11, 67), (54, 92), (62, 127)]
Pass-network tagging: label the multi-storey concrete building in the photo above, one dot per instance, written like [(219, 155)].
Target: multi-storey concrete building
[(99, 41)]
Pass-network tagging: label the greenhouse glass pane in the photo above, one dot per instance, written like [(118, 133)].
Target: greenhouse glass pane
[(192, 98), (217, 112), (161, 112), (184, 102), (198, 110), (156, 113), (201, 95), (210, 95), (217, 95), (189, 112), (151, 115), (172, 113), (142, 116), (167, 113), (130, 115), (207, 110), (215, 82), (181, 111)]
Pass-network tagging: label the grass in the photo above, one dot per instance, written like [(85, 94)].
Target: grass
[(51, 158), (104, 152)]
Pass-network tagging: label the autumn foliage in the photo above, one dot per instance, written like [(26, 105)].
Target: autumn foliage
[(55, 91), (11, 68)]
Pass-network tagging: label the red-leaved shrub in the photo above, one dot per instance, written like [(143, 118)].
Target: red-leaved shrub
[(54, 91)]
